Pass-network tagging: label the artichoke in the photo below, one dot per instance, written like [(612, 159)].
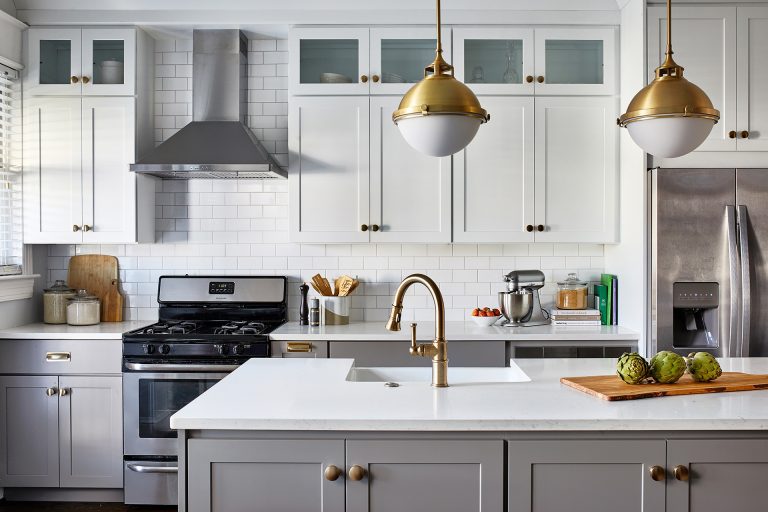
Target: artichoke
[(632, 368), (667, 367), (703, 366)]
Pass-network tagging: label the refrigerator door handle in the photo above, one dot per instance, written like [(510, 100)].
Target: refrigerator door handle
[(746, 285), (730, 348)]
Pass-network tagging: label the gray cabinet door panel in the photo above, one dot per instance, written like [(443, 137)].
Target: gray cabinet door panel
[(263, 476), (724, 475), (90, 430), (29, 434), (444, 476), (585, 476), (395, 353)]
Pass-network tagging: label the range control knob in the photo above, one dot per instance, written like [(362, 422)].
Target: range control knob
[(149, 348), (222, 349), (238, 349), (164, 349)]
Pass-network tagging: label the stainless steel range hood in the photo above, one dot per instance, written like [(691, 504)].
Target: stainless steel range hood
[(217, 143)]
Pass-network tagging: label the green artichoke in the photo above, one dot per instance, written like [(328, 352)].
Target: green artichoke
[(667, 367), (632, 368), (703, 366)]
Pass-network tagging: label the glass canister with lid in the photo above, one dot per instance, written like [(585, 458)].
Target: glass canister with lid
[(83, 309), (571, 293), (55, 302)]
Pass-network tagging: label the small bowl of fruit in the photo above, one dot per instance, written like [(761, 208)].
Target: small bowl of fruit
[(485, 317)]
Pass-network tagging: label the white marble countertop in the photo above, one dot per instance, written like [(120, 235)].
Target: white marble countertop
[(102, 331), (464, 331), (312, 394)]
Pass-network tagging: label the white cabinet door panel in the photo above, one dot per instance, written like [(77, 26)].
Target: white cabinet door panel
[(410, 191), (399, 56), (494, 176), (752, 78), (53, 59), (99, 44)]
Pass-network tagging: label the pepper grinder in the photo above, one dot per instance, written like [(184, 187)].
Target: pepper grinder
[(304, 306)]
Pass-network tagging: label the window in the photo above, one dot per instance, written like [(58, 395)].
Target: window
[(10, 173)]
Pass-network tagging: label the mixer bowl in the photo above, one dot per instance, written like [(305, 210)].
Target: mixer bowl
[(516, 306)]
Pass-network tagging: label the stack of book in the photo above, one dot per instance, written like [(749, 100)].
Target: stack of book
[(575, 317), (607, 299)]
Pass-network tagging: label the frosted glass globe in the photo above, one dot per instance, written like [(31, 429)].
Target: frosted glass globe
[(670, 137), (439, 134)]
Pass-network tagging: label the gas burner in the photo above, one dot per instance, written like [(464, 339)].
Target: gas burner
[(251, 328), (182, 328)]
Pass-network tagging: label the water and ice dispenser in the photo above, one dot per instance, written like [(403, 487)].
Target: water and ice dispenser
[(696, 321)]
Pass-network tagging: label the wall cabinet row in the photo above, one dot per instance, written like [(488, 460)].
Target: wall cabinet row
[(544, 169)]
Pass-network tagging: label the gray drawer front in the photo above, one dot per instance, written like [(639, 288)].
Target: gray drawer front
[(395, 353), (147, 487), (298, 348), (60, 357)]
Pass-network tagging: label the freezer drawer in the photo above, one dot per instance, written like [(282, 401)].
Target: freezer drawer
[(151, 482)]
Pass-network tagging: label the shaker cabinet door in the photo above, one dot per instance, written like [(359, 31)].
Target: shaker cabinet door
[(54, 65), (751, 78), (109, 61)]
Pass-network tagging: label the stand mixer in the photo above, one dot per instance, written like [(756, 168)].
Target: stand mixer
[(521, 305)]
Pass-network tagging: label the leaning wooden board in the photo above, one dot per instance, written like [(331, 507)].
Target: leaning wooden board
[(99, 275), (612, 388)]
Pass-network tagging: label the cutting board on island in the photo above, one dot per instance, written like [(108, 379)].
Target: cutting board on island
[(612, 388), (99, 275)]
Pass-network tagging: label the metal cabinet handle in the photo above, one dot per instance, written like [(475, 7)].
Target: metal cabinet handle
[(58, 356), (657, 473), (529, 79), (375, 78), (139, 468), (87, 227), (86, 79), (75, 228), (529, 228), (732, 134), (299, 346), (744, 134), (681, 473), (51, 391), (364, 78), (356, 473), (375, 227), (332, 473), (540, 228), (540, 79), (63, 392), (364, 227), (73, 79)]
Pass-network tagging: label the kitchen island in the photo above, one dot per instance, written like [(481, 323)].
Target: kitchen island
[(298, 435)]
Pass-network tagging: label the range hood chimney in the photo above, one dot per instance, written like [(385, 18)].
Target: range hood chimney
[(217, 143)]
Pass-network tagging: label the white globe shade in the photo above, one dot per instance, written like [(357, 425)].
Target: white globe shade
[(670, 137), (439, 134)]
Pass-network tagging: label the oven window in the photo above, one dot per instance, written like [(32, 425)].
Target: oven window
[(159, 399)]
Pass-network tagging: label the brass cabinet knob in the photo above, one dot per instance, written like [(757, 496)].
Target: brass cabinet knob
[(364, 78), (732, 134), (529, 79), (744, 134), (375, 78), (529, 228), (73, 79), (63, 392), (681, 473), (540, 79), (657, 473), (375, 227), (51, 391), (364, 227), (356, 473), (540, 228), (86, 227), (332, 473), (75, 228), (86, 79)]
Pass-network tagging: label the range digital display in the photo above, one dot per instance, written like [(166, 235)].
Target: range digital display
[(221, 287)]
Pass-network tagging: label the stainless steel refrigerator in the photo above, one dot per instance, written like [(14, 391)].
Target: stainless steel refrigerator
[(708, 253)]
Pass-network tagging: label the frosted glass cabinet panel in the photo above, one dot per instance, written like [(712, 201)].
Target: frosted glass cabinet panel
[(399, 56), (573, 61), (495, 61), (53, 61), (329, 61)]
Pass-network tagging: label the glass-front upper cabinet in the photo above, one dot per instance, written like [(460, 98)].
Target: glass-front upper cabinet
[(579, 61), (73, 61), (330, 61), (494, 60)]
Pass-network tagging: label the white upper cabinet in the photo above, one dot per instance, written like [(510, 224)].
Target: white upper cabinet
[(704, 42), (88, 61), (493, 178), (576, 170), (752, 78)]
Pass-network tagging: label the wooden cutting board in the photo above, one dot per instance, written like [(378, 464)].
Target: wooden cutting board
[(612, 388), (96, 273)]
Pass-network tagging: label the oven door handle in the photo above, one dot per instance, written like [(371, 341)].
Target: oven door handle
[(140, 468), (181, 367)]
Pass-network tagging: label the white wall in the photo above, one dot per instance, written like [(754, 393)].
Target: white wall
[(8, 6), (10, 35)]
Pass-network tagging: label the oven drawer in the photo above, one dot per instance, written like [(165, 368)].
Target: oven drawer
[(310, 349), (61, 357), (151, 482)]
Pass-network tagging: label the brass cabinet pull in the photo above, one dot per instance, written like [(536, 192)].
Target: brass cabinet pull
[(657, 473), (63, 392), (356, 473), (51, 391), (375, 78), (86, 79), (529, 79), (299, 346), (332, 473), (540, 228), (681, 473), (374, 227), (732, 134), (86, 227), (73, 79), (364, 227), (529, 228), (540, 79), (364, 78), (744, 134), (75, 228), (58, 356)]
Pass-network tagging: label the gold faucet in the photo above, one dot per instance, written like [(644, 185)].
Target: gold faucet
[(438, 349)]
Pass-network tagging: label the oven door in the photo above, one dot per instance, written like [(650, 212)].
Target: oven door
[(150, 398)]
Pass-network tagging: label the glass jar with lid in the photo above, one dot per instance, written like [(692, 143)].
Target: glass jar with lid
[(571, 293), (83, 309), (55, 302)]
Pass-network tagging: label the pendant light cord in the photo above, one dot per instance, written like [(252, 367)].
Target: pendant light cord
[(439, 48), (669, 26)]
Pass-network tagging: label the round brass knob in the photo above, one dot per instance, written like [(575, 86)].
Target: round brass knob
[(364, 78), (744, 134), (332, 473), (86, 79), (657, 473), (50, 391), (364, 227), (529, 79), (540, 79), (529, 228), (375, 227), (63, 392), (681, 473), (375, 78), (356, 473), (73, 79), (540, 228), (732, 134), (75, 228), (86, 227)]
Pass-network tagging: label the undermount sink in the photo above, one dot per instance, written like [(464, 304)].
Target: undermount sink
[(456, 375)]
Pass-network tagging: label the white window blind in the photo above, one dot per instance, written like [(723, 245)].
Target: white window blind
[(10, 173)]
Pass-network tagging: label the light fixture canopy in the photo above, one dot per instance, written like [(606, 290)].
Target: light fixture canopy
[(439, 115), (682, 113)]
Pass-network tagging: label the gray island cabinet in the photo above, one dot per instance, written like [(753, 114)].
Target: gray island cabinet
[(300, 437)]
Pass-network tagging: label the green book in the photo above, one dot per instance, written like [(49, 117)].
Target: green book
[(607, 280), (601, 302)]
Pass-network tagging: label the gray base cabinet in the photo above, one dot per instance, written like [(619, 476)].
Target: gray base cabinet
[(395, 353)]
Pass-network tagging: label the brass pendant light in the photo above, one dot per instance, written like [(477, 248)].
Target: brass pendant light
[(671, 116), (439, 115)]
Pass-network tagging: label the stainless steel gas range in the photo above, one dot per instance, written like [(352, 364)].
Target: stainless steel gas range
[(208, 326)]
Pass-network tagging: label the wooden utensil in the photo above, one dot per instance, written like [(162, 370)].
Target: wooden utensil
[(612, 388), (95, 273), (345, 285), (112, 304)]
